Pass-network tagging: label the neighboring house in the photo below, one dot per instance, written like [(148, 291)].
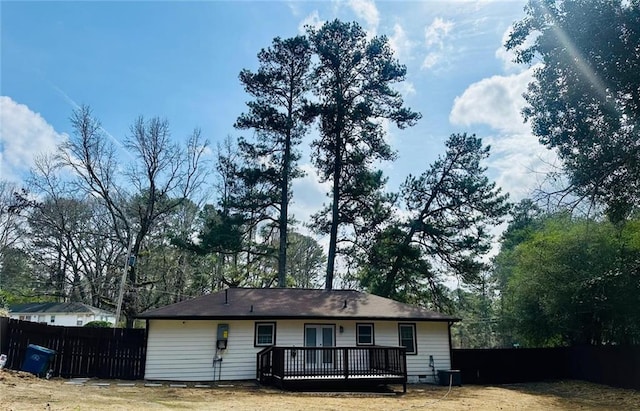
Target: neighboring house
[(67, 314), (227, 335)]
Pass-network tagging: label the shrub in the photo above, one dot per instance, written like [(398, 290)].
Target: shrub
[(99, 324)]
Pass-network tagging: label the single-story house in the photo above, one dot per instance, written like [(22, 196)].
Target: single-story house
[(67, 314), (267, 333)]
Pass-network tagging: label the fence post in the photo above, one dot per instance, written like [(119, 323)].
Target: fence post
[(4, 335)]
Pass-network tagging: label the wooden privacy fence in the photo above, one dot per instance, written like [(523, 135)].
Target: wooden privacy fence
[(110, 353), (618, 366)]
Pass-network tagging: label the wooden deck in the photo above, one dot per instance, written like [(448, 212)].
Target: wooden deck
[(327, 367)]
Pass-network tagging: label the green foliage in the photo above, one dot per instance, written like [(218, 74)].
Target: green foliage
[(15, 276), (305, 261), (449, 208), (575, 281), (279, 116), (391, 250), (221, 232), (526, 219), (55, 229), (479, 325), (221, 240), (352, 82), (585, 102), (98, 324)]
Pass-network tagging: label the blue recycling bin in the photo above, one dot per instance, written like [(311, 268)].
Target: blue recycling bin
[(37, 359)]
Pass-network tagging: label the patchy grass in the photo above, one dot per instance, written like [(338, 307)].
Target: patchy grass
[(22, 391)]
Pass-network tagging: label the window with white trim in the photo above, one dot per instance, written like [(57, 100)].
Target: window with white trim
[(364, 334), (407, 337), (265, 334)]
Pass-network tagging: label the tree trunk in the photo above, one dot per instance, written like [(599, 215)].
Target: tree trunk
[(283, 222), (335, 216)]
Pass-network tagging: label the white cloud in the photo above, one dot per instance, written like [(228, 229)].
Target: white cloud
[(400, 43), (294, 7), (313, 20), (508, 56), (435, 33), (431, 60), (367, 11), (406, 88), (24, 135), (496, 101), (520, 163)]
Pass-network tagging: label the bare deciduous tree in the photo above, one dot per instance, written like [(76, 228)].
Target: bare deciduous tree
[(161, 176)]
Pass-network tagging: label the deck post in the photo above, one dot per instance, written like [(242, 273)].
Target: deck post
[(345, 362)]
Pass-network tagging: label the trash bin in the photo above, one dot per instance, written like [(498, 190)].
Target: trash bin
[(446, 377), (37, 359)]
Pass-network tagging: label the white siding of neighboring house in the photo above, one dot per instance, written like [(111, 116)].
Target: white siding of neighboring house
[(180, 350), (63, 319)]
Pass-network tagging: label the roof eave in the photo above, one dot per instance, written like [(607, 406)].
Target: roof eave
[(293, 317)]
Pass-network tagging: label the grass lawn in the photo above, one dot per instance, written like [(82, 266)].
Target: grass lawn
[(22, 391)]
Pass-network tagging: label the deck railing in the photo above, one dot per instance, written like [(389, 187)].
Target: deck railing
[(276, 365)]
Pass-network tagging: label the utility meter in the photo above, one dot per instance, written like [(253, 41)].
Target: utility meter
[(223, 336)]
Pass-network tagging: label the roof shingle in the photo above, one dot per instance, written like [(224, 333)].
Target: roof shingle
[(251, 303), (58, 308)]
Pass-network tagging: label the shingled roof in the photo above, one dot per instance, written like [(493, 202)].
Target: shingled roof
[(293, 303), (55, 308)]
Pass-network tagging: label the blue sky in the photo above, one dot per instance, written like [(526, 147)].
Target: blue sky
[(180, 61)]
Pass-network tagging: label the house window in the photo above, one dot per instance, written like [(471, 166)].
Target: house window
[(79, 322), (407, 337), (265, 334), (364, 334), (53, 319)]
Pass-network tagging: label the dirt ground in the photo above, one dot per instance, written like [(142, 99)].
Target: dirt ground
[(22, 391)]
